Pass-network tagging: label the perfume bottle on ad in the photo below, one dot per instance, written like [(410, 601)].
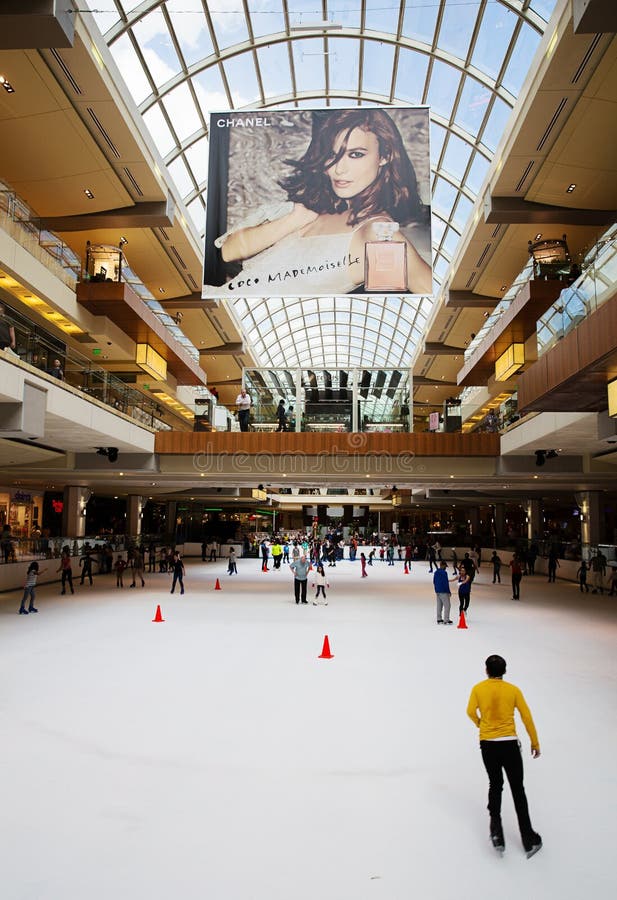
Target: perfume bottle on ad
[(385, 261)]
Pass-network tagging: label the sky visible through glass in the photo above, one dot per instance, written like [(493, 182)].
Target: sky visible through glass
[(466, 59)]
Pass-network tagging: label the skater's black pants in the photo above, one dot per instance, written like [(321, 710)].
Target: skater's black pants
[(497, 757), (320, 587), (300, 590), (516, 585), (463, 600), (175, 580)]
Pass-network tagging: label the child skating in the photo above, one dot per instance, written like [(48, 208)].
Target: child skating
[(321, 584)]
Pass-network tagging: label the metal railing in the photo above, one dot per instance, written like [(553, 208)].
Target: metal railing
[(38, 349)]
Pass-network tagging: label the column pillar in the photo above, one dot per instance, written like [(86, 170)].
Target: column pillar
[(354, 400), (591, 525), (74, 510), (170, 520), (410, 404), (298, 406), (473, 521), (134, 508), (500, 520), (534, 520)]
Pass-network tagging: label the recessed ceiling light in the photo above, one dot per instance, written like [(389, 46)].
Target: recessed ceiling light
[(88, 193), (161, 290), (538, 236), (503, 287), (570, 188)]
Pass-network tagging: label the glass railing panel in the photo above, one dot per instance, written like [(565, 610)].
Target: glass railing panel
[(591, 289)]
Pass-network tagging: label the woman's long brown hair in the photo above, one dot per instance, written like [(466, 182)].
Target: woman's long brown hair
[(394, 191)]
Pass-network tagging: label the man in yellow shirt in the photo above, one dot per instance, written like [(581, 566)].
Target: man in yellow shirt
[(491, 708)]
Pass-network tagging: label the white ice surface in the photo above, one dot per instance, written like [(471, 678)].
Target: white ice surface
[(214, 756)]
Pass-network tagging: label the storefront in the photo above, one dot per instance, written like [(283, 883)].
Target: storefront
[(21, 510)]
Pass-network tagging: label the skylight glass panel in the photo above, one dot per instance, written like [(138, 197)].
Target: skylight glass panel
[(229, 23), (131, 68), (198, 215), (440, 266), (456, 157), (438, 136), (450, 242), (345, 13), (275, 71), (152, 36), (443, 87), (377, 71), (444, 196), (543, 8), (477, 172), (181, 177), (309, 64), (524, 50), (197, 158), (493, 39), (158, 128), (411, 76), (438, 226), (381, 17), (104, 20), (266, 17), (496, 124), (462, 212), (242, 80), (210, 91), (182, 111), (472, 106), (191, 29), (457, 25), (343, 63), (420, 19)]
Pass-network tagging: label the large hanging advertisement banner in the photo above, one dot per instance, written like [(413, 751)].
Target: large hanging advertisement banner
[(323, 202)]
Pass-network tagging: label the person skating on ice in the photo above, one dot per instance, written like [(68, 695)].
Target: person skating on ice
[(29, 589), (178, 570), (491, 708), (321, 585)]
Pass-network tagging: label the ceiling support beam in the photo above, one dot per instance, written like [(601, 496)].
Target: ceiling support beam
[(36, 24), (469, 300), (516, 211), (434, 348), (594, 16), (231, 349), (190, 301), (422, 381), (150, 214)]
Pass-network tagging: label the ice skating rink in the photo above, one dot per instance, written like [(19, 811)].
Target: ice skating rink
[(215, 757)]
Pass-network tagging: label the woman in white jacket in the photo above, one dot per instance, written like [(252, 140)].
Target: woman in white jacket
[(321, 584)]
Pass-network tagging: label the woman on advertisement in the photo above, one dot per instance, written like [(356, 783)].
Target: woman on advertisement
[(340, 230)]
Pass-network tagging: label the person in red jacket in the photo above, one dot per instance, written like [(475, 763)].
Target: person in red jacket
[(491, 708)]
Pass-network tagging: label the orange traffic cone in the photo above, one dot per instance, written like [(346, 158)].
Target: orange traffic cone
[(461, 621), (158, 617), (217, 586), (325, 652), (406, 570)]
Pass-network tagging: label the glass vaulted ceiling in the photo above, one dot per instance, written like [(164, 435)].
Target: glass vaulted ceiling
[(466, 59)]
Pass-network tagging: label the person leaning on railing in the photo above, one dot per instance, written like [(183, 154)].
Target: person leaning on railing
[(7, 332)]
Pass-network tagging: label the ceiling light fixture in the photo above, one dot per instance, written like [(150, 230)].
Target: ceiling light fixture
[(570, 188), (88, 193), (8, 87), (324, 25)]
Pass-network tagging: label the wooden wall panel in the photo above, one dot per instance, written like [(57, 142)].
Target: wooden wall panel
[(313, 443)]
